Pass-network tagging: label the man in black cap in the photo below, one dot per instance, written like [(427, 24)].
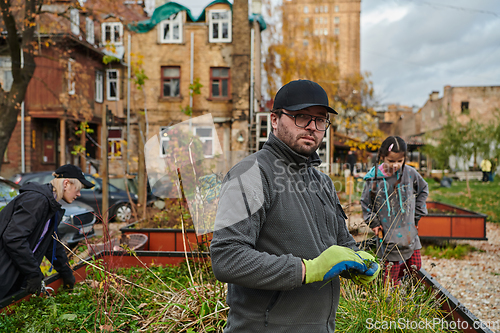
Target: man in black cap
[(280, 237), (27, 226)]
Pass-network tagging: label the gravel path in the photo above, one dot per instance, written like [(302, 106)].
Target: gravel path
[(475, 280)]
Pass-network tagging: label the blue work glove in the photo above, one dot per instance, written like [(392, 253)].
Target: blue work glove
[(333, 261), (370, 274)]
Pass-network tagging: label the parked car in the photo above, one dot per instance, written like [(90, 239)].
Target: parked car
[(132, 183), (78, 220), (119, 203)]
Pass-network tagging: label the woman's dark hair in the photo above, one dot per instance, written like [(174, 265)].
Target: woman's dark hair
[(392, 144)]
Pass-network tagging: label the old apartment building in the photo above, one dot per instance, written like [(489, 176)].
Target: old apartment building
[(71, 86), (216, 49), (462, 103), (200, 63), (336, 23)]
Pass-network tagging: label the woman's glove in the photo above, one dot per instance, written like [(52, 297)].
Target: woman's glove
[(333, 261)]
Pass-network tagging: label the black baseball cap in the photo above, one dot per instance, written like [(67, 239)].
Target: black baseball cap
[(72, 171), (300, 94)]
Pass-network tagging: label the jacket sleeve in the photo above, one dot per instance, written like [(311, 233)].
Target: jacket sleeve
[(370, 216), (240, 216), (60, 263), (22, 223), (421, 189)]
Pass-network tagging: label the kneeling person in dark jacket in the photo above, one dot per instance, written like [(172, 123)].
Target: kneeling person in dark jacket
[(27, 224)]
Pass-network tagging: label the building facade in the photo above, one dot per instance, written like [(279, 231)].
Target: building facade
[(462, 103), (335, 23), (200, 64), (71, 89)]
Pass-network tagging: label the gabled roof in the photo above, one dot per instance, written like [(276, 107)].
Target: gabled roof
[(165, 11)]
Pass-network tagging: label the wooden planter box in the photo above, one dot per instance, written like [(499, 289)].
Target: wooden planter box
[(458, 313), (167, 239), (113, 259), (135, 242), (453, 223)]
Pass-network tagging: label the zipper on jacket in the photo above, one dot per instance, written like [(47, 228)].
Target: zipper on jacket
[(270, 306)]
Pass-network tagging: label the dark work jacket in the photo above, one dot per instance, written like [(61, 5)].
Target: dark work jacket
[(21, 225)]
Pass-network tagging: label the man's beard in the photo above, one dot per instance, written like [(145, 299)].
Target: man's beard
[(305, 148)]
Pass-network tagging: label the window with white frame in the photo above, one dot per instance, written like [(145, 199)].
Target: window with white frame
[(112, 33), (336, 20), (112, 86), (71, 76), (336, 9), (89, 26), (99, 86), (170, 78), (306, 9), (6, 78), (170, 30), (74, 18), (219, 24), (206, 136), (164, 141), (114, 142), (336, 31)]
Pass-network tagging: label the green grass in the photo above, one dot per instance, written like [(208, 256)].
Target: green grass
[(484, 196), (448, 251), (172, 303), (385, 308), (162, 299)]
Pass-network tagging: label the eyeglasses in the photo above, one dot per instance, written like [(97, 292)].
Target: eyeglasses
[(303, 120)]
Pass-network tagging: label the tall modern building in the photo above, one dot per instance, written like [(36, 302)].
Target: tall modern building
[(329, 29)]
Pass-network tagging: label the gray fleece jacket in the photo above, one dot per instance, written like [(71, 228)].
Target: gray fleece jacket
[(397, 209), (276, 209)]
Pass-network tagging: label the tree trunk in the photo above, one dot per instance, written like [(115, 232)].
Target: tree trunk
[(10, 102)]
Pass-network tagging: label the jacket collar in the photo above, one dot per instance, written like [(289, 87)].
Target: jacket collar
[(282, 151), (45, 190)]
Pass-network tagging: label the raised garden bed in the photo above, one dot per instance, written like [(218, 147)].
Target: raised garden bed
[(135, 242), (445, 221), (167, 239), (131, 294), (113, 259), (464, 320)]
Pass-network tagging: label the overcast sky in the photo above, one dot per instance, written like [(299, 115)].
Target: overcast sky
[(413, 47)]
